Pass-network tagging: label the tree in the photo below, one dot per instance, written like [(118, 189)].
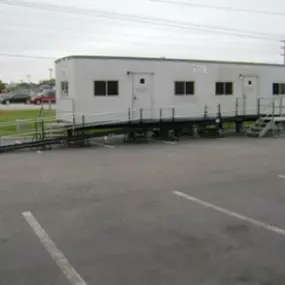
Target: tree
[(2, 86), (24, 85), (47, 81)]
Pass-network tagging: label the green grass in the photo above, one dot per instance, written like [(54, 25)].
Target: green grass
[(8, 120), (232, 125), (101, 131)]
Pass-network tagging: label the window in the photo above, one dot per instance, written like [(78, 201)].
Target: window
[(224, 88), (64, 88), (249, 82), (179, 88), (278, 88), (282, 88), (19, 95), (189, 88), (275, 89), (184, 88), (100, 88), (229, 88), (112, 89), (51, 93), (106, 88), (219, 88), (142, 81)]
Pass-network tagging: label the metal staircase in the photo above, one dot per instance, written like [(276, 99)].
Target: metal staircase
[(261, 127), (271, 121)]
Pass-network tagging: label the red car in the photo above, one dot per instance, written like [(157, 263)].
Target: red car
[(46, 96)]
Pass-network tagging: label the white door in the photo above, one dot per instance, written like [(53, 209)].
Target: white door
[(142, 94), (250, 95)]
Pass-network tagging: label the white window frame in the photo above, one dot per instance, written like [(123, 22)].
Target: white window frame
[(106, 87), (184, 87)]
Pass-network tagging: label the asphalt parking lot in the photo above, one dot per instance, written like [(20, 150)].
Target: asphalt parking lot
[(201, 212)]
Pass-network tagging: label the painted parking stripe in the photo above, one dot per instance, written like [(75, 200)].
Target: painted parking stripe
[(230, 213), (281, 176), (67, 269)]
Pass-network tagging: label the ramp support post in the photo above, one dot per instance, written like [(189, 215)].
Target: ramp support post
[(141, 115), (206, 112), (219, 111), (219, 121), (258, 106), (273, 119), (236, 107), (83, 120), (238, 127), (43, 129), (36, 129), (281, 105), (43, 132)]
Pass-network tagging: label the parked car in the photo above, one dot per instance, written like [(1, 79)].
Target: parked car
[(18, 96), (45, 87), (47, 96)]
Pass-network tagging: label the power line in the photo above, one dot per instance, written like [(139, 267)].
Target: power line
[(139, 19), (180, 38), (264, 12), (121, 34), (26, 56), (185, 45)]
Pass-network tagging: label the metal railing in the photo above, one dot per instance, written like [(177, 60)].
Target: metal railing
[(42, 127)]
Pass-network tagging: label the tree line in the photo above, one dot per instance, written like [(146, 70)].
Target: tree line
[(11, 87)]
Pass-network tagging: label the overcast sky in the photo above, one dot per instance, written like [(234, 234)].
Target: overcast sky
[(38, 32)]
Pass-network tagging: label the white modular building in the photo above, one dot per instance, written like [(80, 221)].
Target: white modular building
[(104, 89)]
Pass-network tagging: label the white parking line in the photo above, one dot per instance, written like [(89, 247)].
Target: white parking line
[(231, 214), (55, 253), (281, 176)]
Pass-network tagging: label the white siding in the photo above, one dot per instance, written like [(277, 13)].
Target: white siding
[(82, 72), (65, 71)]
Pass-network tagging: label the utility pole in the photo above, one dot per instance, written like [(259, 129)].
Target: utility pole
[(283, 51), (50, 73)]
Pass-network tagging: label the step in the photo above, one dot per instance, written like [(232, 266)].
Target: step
[(266, 119), (256, 128), (252, 131), (250, 134), (269, 119), (261, 124), (279, 119)]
